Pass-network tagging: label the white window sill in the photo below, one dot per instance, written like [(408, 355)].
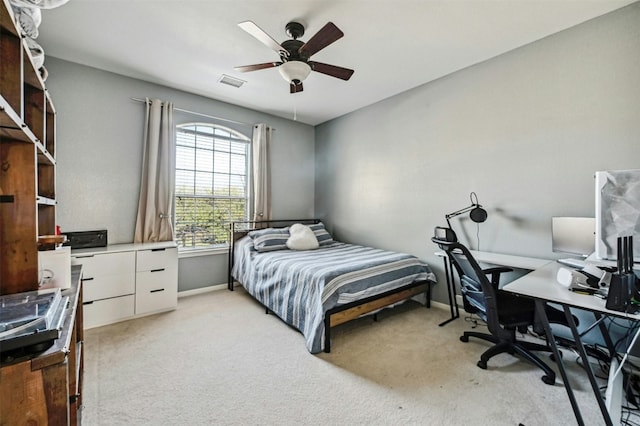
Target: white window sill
[(184, 253)]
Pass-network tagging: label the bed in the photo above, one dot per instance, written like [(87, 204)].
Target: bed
[(315, 290)]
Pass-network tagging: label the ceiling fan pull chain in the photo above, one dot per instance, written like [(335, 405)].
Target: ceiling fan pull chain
[(295, 110)]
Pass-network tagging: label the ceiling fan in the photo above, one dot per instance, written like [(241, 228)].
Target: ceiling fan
[(294, 64)]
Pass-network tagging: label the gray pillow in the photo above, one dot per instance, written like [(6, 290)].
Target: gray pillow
[(270, 239), (323, 237)]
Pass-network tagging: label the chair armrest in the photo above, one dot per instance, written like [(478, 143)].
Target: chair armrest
[(495, 274)]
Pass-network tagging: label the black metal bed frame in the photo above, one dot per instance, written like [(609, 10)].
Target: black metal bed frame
[(339, 314), (241, 228), (411, 290)]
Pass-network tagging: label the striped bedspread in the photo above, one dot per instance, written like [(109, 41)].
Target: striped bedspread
[(300, 286)]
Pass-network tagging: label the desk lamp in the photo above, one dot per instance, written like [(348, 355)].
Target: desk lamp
[(477, 213)]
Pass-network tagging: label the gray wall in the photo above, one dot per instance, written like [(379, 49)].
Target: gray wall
[(99, 155), (526, 131)]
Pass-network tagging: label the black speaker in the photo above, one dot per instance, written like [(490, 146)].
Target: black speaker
[(621, 290)]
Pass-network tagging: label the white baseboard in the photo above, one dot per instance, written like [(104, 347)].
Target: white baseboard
[(201, 290), (441, 305)]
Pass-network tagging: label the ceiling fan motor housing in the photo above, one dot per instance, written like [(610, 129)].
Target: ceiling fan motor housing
[(292, 54), (294, 68)]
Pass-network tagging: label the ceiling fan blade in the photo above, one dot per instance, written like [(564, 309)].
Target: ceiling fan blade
[(255, 67), (327, 35), (332, 70), (295, 88), (261, 36)]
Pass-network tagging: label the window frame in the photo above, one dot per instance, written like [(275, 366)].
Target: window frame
[(232, 136)]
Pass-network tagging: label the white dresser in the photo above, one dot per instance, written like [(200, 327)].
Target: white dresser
[(124, 281)]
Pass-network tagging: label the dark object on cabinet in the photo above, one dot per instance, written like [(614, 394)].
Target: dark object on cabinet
[(31, 321), (87, 239), (46, 387)]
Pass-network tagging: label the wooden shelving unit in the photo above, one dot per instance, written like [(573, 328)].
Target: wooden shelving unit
[(41, 387), (27, 160)]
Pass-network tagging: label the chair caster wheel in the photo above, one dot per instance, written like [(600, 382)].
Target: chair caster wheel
[(482, 364), (553, 357), (549, 380), (464, 338)]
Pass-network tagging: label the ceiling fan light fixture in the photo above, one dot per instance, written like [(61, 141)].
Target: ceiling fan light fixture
[(294, 70)]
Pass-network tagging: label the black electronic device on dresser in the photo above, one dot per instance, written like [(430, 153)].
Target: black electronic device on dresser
[(86, 239)]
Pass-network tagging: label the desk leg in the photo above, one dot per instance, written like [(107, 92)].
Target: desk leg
[(605, 334), (542, 314), (451, 289), (592, 378)]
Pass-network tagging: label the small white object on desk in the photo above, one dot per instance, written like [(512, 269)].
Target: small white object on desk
[(54, 268), (565, 277)]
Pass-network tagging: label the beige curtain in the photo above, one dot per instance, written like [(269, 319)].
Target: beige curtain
[(260, 172), (153, 222)]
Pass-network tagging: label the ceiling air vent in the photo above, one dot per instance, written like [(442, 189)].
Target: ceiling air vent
[(231, 81)]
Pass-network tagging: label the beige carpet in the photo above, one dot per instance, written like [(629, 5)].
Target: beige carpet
[(220, 360)]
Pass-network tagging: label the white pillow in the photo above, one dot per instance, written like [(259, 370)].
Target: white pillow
[(301, 237)]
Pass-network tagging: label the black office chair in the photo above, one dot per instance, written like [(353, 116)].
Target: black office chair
[(503, 312)]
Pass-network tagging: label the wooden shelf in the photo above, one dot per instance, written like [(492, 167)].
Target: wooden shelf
[(42, 388), (10, 66), (27, 151)]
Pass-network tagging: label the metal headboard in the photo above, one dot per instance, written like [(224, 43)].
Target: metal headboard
[(241, 228)]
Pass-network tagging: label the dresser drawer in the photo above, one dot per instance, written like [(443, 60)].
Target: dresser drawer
[(149, 260), (156, 290), (104, 287), (106, 264), (107, 311)]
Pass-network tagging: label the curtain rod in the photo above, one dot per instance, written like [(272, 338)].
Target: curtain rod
[(198, 113)]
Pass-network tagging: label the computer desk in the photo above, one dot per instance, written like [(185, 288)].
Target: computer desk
[(499, 259), (542, 285)]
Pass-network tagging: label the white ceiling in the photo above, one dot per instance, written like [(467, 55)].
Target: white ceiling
[(393, 45)]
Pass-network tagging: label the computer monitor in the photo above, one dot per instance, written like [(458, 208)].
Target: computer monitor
[(573, 235)]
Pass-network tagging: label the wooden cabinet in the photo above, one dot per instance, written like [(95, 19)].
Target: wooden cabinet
[(43, 388), (27, 160), (46, 388), (124, 281)]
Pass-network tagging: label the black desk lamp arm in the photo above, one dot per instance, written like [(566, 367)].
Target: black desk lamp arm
[(459, 212)]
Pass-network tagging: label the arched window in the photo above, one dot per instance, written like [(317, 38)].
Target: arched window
[(212, 164)]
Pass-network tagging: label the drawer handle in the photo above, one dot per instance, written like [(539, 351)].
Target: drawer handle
[(83, 257), (156, 291), (87, 279), (88, 303), (158, 249), (157, 270)]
